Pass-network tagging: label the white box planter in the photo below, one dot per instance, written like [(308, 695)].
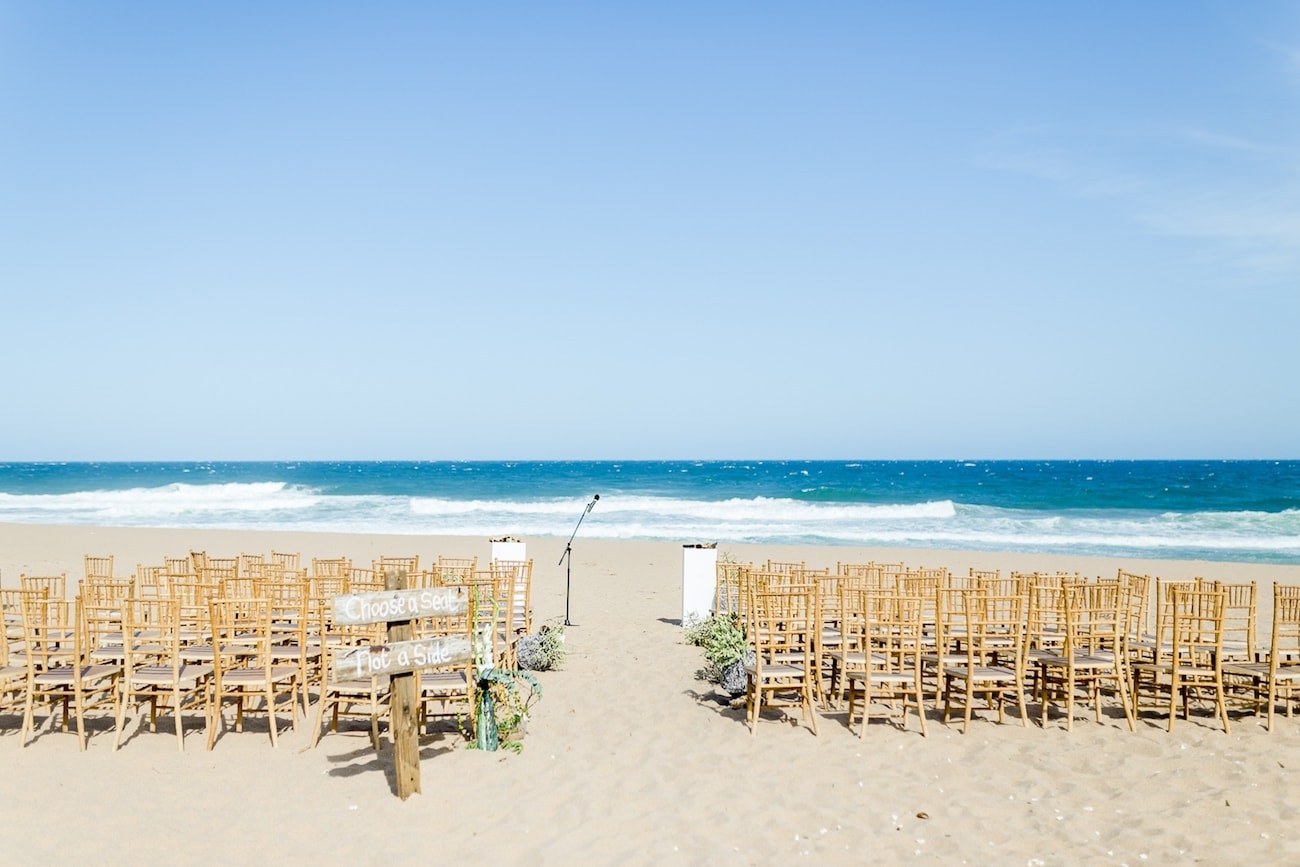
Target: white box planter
[(509, 548), (699, 580)]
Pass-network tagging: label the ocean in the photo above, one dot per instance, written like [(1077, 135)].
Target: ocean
[(1244, 511)]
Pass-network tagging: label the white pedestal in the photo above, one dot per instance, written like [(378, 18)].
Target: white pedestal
[(509, 549), (699, 580)]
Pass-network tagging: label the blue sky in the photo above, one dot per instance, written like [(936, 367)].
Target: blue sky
[(670, 230)]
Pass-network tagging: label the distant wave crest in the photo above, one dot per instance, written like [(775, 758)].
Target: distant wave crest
[(764, 520), (147, 505)]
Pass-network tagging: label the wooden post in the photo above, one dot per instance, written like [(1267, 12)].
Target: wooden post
[(405, 708)]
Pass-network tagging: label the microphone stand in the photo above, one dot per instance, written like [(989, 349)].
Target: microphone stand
[(568, 554)]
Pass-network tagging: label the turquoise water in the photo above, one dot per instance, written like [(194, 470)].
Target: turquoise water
[(1221, 510)]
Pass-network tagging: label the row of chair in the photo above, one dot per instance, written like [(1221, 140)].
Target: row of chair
[(889, 637), (188, 636)]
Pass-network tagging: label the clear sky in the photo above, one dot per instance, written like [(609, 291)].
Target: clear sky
[(658, 230)]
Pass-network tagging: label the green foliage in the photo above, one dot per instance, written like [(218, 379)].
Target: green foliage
[(723, 638), (724, 642), (513, 694)]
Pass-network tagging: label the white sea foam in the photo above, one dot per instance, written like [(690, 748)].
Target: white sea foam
[(146, 505), (943, 523)]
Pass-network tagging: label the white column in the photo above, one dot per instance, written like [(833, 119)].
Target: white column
[(509, 548), (699, 580)]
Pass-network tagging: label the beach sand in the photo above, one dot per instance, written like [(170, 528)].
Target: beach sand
[(630, 759)]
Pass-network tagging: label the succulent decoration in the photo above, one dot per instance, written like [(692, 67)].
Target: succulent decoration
[(542, 650)]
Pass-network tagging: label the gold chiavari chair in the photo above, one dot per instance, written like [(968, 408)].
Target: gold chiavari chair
[(782, 628), (894, 644), (1266, 681), (59, 666), (493, 592), (1196, 661), (348, 696), (1093, 652), (943, 617), (13, 673), (154, 669), (290, 606), (728, 591), (995, 661), (243, 669), (1136, 593), (447, 690), (522, 598)]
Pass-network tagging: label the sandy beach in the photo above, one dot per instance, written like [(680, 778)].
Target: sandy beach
[(631, 759)]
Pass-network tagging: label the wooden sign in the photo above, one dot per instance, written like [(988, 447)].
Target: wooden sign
[(386, 606), (402, 656)]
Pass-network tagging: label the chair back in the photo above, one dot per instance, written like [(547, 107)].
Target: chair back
[(728, 590), (331, 568), (1095, 624), (241, 633), (55, 586), (783, 620), (362, 580), (408, 564), (1197, 625), (182, 566), (1239, 620), (994, 629), (106, 590), (1284, 643), (99, 567), (455, 570), (49, 627)]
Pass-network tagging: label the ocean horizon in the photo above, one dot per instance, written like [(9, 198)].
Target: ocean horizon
[(1229, 510)]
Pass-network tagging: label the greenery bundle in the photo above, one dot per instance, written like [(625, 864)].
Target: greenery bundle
[(543, 650), (723, 638), (501, 707)]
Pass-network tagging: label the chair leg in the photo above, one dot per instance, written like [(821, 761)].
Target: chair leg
[(320, 718), (28, 718), (1069, 700), (79, 702), (1222, 702), (970, 694), (119, 721), (1121, 686), (1174, 687), (270, 712), (180, 729)]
